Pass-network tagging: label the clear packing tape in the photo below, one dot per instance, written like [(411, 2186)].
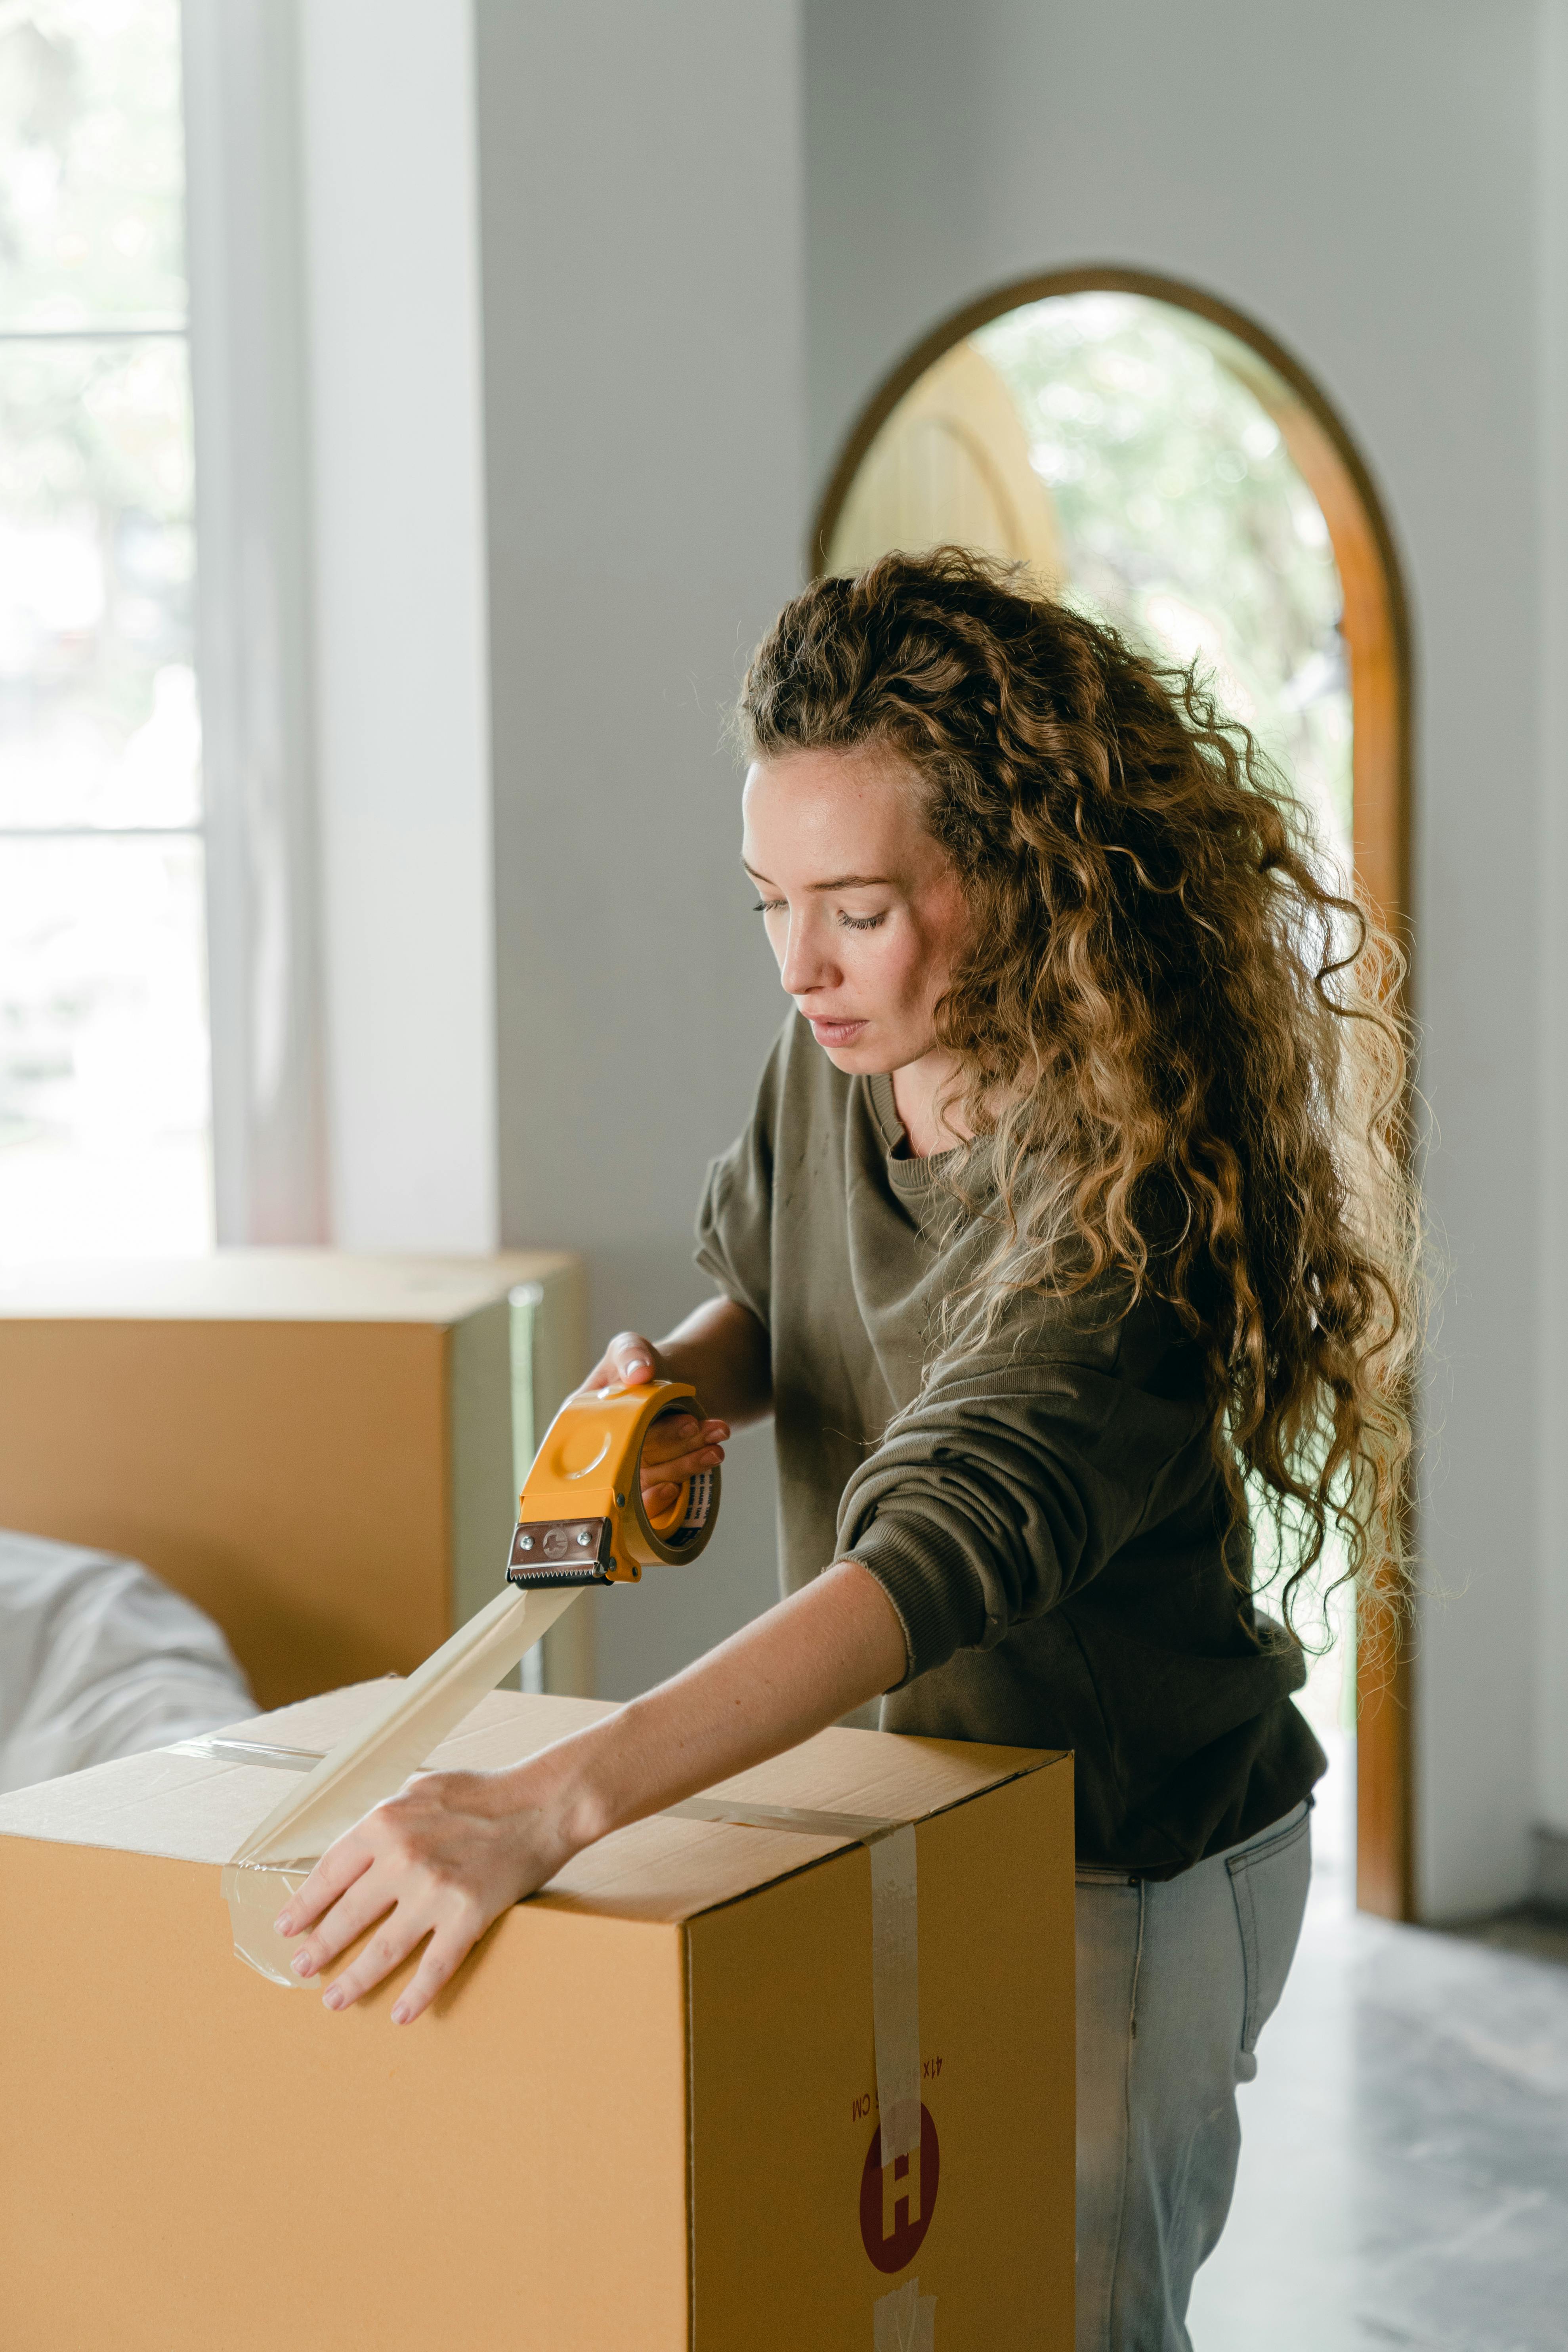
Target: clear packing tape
[(895, 1991), (904, 2321), (373, 1761)]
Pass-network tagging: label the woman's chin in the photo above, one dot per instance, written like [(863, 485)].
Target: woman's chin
[(848, 1045)]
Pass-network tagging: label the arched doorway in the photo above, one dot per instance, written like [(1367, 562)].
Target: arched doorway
[(1149, 449)]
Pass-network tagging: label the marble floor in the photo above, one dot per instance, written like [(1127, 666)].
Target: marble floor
[(1404, 2168)]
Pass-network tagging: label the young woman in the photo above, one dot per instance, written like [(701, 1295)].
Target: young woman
[(1069, 1212)]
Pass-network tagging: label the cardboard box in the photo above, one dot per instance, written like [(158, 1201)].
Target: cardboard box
[(321, 1451), (643, 2115)]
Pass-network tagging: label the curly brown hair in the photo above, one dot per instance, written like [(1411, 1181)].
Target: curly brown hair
[(1179, 1047)]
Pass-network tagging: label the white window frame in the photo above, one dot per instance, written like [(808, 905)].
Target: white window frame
[(245, 269)]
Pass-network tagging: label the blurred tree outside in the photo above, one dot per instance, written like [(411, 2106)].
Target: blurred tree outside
[(91, 164), (1186, 523)]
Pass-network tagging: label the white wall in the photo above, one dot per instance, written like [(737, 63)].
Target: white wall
[(401, 690), (1552, 910), (641, 209), (1361, 181)]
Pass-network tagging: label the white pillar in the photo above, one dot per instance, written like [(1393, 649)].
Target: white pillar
[(401, 694)]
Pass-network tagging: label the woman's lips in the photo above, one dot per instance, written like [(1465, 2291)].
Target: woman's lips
[(837, 1033)]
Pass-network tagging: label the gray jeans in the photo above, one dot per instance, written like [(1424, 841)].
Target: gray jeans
[(1176, 1978)]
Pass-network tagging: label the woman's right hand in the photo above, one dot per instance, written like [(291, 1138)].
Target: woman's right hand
[(682, 1442)]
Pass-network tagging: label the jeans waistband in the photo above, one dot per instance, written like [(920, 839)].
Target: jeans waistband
[(1106, 1873)]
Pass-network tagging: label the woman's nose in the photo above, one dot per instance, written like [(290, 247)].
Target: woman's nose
[(802, 966)]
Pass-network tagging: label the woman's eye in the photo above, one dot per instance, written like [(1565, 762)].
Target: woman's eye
[(860, 922), (767, 906)]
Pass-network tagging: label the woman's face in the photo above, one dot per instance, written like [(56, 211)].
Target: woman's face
[(863, 909)]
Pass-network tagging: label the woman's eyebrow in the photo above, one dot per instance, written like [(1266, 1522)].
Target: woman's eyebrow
[(839, 881)]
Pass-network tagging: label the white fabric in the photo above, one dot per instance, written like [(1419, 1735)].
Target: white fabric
[(98, 1660)]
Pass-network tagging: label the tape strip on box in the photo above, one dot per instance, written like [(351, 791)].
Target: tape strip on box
[(904, 2321), (214, 1748), (803, 1818), (373, 1761), (895, 1991), (403, 1727)]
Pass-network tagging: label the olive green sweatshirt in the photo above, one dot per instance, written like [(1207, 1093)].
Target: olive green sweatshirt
[(1046, 1516)]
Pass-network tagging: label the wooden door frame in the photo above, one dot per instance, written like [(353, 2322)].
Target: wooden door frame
[(1377, 637)]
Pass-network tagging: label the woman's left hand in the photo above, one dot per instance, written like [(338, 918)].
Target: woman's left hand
[(435, 1865)]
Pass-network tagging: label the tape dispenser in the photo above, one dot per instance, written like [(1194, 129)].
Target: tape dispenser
[(580, 1515)]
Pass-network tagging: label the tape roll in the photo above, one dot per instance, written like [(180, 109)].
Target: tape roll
[(589, 1468), (683, 1531)]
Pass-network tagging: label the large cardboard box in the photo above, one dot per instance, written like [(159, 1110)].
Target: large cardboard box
[(320, 1450), (643, 2115)]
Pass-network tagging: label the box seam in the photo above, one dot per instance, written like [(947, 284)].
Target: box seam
[(690, 2139), (917, 1822)]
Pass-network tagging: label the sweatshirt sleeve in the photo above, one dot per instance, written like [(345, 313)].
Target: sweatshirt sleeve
[(1007, 1485)]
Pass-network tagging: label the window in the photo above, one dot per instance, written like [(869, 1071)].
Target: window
[(104, 1128)]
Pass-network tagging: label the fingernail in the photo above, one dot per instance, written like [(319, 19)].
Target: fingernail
[(332, 2000), (400, 2015), (283, 1925), (304, 1965)]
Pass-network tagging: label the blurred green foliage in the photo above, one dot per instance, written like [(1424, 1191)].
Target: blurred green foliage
[(1184, 521), (97, 553)]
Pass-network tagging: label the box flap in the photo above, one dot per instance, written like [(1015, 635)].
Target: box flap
[(198, 1808), (275, 1286)]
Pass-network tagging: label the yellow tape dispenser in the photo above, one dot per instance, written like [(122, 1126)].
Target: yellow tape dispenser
[(581, 1516)]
